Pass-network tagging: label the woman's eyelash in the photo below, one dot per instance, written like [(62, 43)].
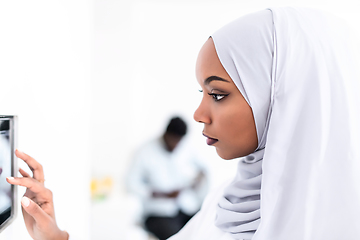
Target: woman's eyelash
[(217, 97)]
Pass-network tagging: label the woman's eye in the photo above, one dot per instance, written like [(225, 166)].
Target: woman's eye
[(217, 97)]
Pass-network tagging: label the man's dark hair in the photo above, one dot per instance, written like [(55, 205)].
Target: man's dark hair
[(177, 127)]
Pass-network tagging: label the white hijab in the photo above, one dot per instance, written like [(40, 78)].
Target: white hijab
[(297, 70)]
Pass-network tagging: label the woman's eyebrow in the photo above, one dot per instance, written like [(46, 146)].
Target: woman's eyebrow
[(214, 78)]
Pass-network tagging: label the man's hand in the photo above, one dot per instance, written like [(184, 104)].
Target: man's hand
[(173, 194)]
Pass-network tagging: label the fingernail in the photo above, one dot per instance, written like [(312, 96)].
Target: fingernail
[(18, 150), (10, 178), (25, 201)]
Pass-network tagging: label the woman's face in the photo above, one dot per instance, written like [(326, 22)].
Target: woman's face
[(228, 120)]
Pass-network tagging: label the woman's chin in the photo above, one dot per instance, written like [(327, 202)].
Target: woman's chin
[(226, 155), (229, 155)]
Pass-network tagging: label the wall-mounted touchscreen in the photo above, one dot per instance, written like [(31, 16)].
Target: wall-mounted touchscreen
[(7, 169)]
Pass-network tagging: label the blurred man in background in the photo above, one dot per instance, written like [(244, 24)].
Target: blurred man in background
[(169, 179)]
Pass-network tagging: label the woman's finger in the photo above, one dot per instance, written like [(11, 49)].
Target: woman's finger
[(40, 216), (30, 183), (23, 173), (35, 167)]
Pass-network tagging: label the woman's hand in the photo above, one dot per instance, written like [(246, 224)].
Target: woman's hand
[(37, 203)]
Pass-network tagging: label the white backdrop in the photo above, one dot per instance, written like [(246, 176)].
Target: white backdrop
[(91, 80)]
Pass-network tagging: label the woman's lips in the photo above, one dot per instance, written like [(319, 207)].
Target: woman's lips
[(209, 140)]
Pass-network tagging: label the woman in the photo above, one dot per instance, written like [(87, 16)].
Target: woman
[(280, 89)]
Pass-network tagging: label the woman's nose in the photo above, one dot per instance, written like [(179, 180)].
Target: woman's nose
[(201, 114)]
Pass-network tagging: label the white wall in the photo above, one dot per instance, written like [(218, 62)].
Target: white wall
[(45, 71)]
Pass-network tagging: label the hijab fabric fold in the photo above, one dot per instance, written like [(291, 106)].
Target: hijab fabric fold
[(239, 209)]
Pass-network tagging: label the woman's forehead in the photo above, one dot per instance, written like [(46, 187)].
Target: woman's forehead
[(208, 63), (207, 53)]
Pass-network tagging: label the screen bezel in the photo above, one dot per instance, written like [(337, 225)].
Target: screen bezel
[(14, 168)]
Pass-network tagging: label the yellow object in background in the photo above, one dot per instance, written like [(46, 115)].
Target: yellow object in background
[(101, 188)]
